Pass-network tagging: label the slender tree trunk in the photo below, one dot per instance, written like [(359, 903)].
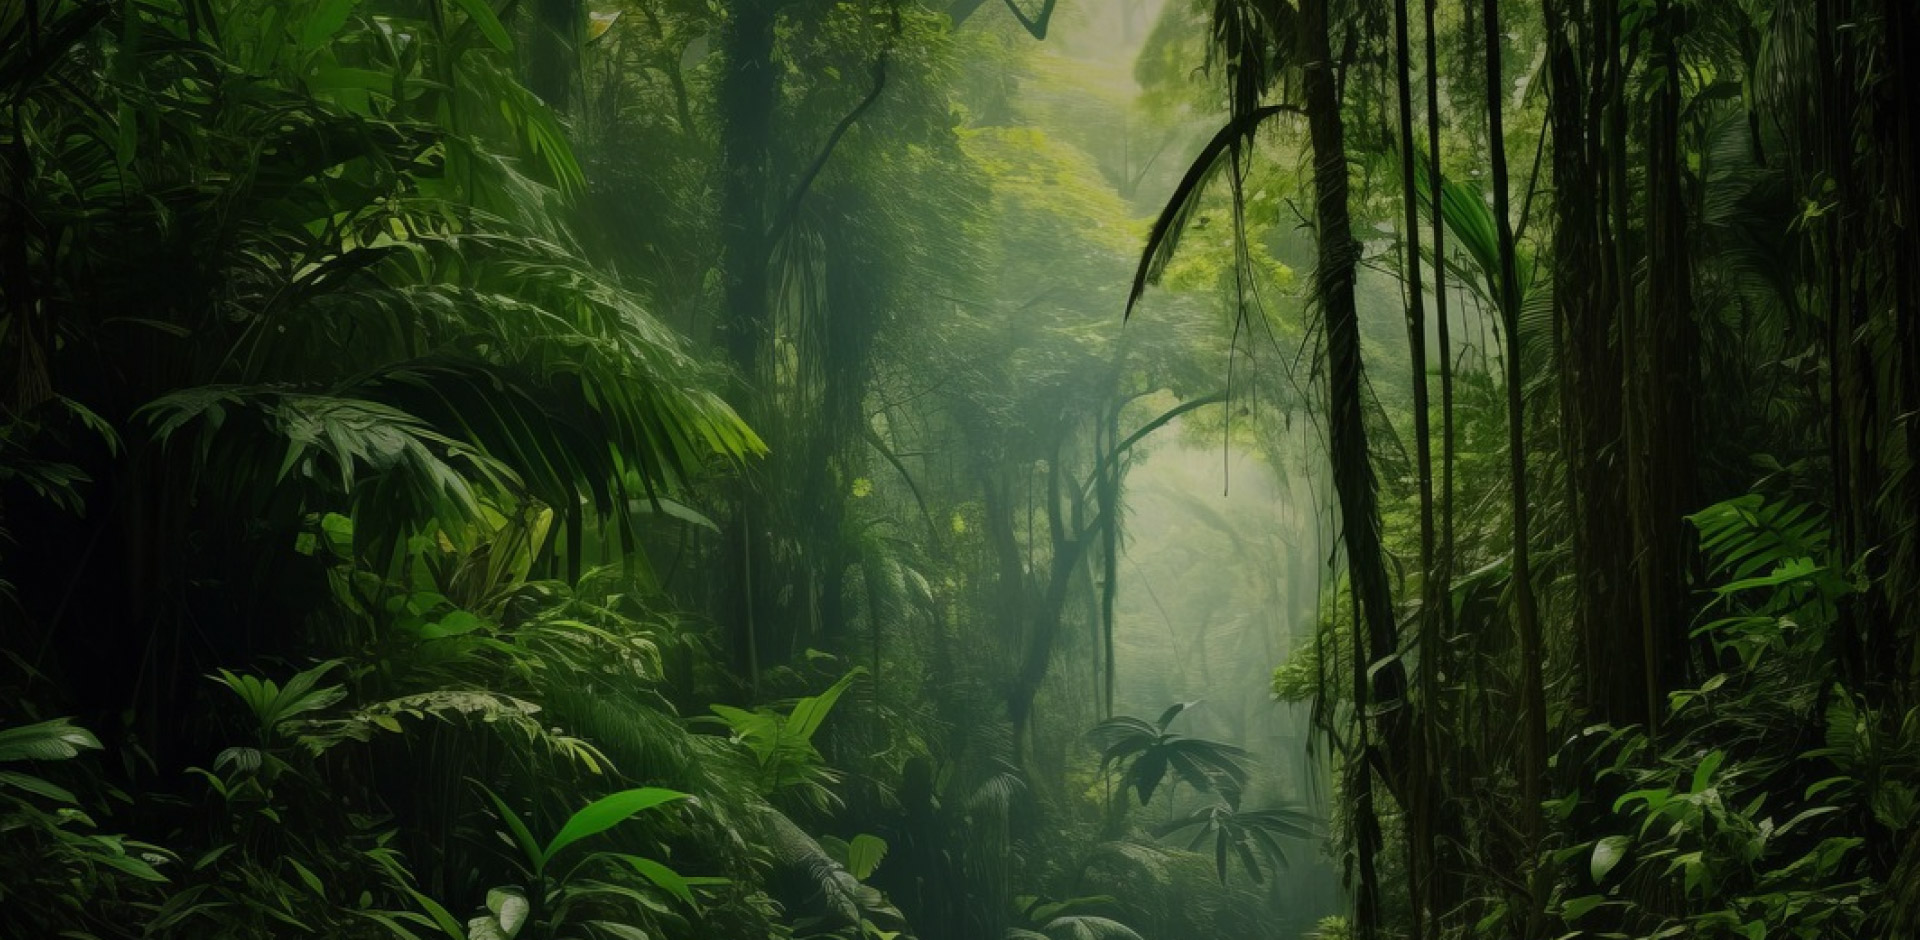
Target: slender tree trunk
[(1533, 758), (1421, 782), (1449, 829), (1107, 500), (746, 98), (1900, 148), (1374, 631)]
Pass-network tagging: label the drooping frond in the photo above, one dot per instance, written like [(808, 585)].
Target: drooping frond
[(797, 851), (1164, 239), (334, 441), (501, 713)]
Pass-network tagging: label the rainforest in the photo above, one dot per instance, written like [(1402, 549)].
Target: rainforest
[(960, 469)]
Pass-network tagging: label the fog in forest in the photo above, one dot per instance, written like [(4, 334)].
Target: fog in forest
[(959, 469)]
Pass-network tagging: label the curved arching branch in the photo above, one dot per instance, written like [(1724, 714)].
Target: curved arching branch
[(1036, 25), (790, 209)]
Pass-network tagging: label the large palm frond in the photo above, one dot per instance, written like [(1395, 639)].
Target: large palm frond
[(1067, 920), (1149, 752), (1248, 834)]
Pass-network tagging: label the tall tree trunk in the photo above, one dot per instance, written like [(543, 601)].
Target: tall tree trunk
[(1899, 135), (1421, 783), (1373, 627), (1659, 387), (1865, 168), (1449, 828), (1106, 484), (1533, 757), (746, 99), (1586, 313)]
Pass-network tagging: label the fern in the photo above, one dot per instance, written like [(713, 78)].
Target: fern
[(1778, 572), (330, 440), (1745, 535), (500, 712), (797, 851)]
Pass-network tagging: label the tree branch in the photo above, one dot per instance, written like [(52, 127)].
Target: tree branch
[(1036, 26), (933, 530), (1156, 424), (791, 209)]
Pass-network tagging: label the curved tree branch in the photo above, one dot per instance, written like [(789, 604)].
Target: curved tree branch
[(933, 530), (1037, 26), (791, 208)]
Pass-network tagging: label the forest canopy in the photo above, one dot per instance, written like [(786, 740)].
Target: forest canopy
[(959, 469)]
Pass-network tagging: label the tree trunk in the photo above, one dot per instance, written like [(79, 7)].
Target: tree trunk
[(1659, 387), (1526, 615), (746, 99), (1373, 627), (1587, 314), (1421, 785)]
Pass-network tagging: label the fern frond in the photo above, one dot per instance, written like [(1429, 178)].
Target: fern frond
[(1746, 535)]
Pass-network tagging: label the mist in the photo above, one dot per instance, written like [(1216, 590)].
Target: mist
[(959, 469)]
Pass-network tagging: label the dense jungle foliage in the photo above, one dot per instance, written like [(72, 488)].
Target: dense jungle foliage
[(957, 469)]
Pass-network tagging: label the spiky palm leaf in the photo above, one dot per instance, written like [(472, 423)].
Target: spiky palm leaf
[(1164, 240), (1748, 534), (1076, 927), (344, 443), (1066, 920), (1248, 834), (374, 250), (1149, 752), (848, 900)]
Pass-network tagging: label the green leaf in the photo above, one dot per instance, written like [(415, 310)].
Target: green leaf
[(605, 813), (864, 854), (37, 786), (673, 509), (456, 623), (1573, 908), (1607, 853), (809, 713), (1703, 774), (521, 834), (666, 878), (622, 931), (57, 739), (487, 22), (509, 907), (1787, 572), (135, 867), (306, 875), (389, 921), (325, 20), (507, 910), (441, 916)]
